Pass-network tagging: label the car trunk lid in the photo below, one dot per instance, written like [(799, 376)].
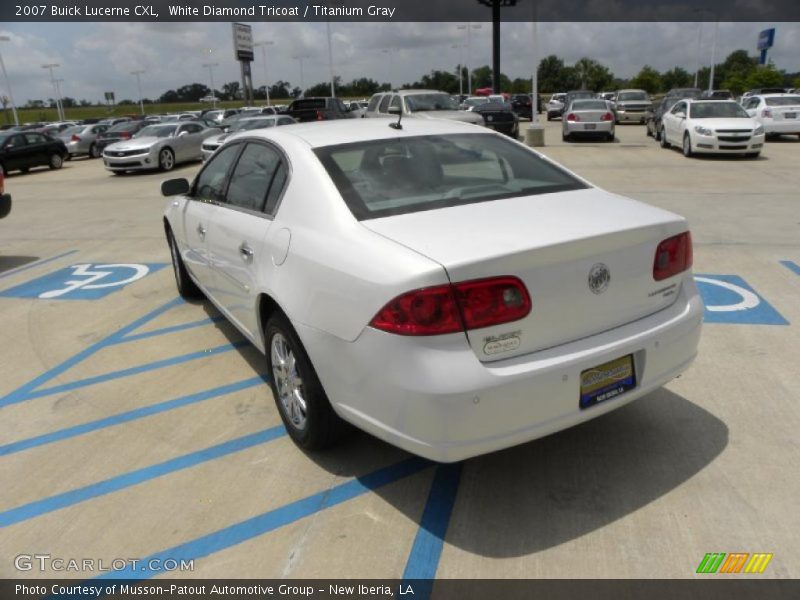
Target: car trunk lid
[(561, 246)]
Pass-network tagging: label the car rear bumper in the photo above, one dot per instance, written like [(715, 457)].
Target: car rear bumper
[(579, 128), (631, 116), (788, 126), (432, 397)]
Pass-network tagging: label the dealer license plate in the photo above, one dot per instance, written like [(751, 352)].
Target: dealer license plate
[(590, 126), (607, 381)]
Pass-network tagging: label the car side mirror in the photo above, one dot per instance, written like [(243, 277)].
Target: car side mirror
[(394, 110), (173, 187)]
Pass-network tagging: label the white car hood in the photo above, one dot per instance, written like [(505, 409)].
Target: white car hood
[(726, 123), (135, 144)]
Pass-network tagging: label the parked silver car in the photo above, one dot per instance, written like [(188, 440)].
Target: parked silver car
[(158, 146), (211, 144), (588, 118), (80, 139)]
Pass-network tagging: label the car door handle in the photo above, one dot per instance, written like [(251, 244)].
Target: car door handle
[(201, 231), (246, 252)]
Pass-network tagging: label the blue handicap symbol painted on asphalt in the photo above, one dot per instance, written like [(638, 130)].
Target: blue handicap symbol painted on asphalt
[(729, 299), (83, 282)]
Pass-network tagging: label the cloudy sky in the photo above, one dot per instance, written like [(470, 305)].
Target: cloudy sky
[(95, 58)]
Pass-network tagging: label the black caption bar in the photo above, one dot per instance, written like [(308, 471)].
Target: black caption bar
[(771, 11), (446, 589)]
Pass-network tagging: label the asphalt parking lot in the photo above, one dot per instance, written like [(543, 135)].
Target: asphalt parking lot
[(133, 424)]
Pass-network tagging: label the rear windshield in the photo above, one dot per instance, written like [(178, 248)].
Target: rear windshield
[(73, 129), (715, 110), (124, 126), (399, 176), (420, 102), (783, 101), (311, 103), (157, 131), (589, 105)]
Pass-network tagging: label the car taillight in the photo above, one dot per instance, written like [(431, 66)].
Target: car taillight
[(673, 256), (320, 115), (766, 113), (75, 138), (455, 307), (125, 135), (607, 117), (2, 181), (573, 117)]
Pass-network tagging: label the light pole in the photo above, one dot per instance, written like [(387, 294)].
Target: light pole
[(210, 67), (139, 85), (300, 58), (263, 44), (60, 99), (468, 28), (5, 38), (51, 66), (713, 57), (390, 52), (697, 54), (460, 68)]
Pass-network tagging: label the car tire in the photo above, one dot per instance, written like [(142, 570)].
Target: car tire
[(687, 145), (299, 396), (753, 155), (549, 117), (647, 131), (187, 288), (610, 136), (564, 137), (94, 152), (166, 159), (662, 138), (56, 161)]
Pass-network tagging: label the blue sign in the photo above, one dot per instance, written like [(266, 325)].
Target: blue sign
[(729, 299), (83, 282), (766, 39)]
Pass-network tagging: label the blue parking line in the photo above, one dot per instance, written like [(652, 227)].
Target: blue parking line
[(120, 482), (21, 392), (159, 364), (165, 330), (273, 519), (139, 413), (38, 263), (423, 560), (792, 266)]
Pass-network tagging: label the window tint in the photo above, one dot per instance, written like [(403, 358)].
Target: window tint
[(395, 103), (679, 107), (783, 101), (373, 103), (392, 177), (275, 189), (17, 141), (210, 184), (384, 103), (252, 176), (192, 127), (35, 138)]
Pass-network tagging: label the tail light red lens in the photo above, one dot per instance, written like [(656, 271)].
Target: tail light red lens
[(607, 117), (456, 307), (2, 181), (75, 138), (573, 117), (125, 135), (673, 256), (320, 115), (766, 113)]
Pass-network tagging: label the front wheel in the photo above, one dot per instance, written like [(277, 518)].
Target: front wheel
[(166, 160), (94, 151), (662, 138), (187, 288), (302, 403), (687, 145), (56, 161), (753, 155)]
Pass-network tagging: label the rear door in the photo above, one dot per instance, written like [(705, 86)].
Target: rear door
[(199, 213), (236, 239), (36, 149), (15, 151)]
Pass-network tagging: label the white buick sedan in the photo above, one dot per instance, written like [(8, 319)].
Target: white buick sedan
[(438, 285)]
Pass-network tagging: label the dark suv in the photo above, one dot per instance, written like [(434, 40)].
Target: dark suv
[(318, 109), (522, 105)]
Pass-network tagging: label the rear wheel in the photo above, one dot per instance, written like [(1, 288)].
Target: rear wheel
[(687, 145), (56, 161), (302, 403), (186, 287), (610, 136), (94, 151)]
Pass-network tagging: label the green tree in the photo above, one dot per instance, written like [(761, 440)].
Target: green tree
[(647, 79), (552, 74), (231, 90), (592, 75), (676, 77), (796, 82), (765, 76), (735, 83)]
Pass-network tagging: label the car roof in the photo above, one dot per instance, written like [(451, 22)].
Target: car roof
[(344, 131)]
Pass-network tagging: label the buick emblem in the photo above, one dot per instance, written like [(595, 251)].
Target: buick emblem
[(599, 276)]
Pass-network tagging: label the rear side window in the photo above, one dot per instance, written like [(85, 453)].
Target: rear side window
[(373, 103), (398, 176), (210, 183), (384, 103), (275, 188), (252, 176), (395, 103)]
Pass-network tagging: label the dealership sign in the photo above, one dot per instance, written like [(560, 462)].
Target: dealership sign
[(243, 41)]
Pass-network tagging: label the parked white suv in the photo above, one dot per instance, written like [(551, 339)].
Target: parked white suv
[(426, 104)]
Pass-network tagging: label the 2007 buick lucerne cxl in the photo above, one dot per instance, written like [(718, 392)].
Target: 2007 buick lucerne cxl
[(438, 285)]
